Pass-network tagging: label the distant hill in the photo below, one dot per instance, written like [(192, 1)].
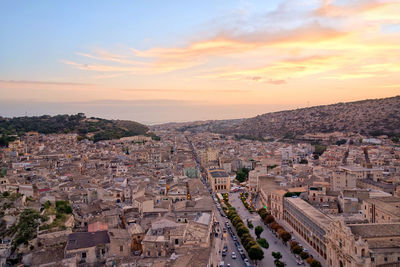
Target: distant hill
[(99, 129), (371, 117), (197, 126)]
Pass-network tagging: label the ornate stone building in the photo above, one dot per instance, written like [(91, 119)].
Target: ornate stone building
[(363, 245)]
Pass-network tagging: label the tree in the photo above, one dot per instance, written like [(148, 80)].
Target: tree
[(258, 230), (275, 226), (63, 207), (279, 263), (297, 249), (26, 228), (235, 220), (269, 219), (263, 243), (250, 244), (276, 255), (240, 176), (285, 236), (47, 205), (242, 230), (315, 263), (256, 253), (263, 213), (304, 255), (292, 244)]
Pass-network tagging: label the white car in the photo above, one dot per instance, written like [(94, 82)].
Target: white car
[(233, 255)]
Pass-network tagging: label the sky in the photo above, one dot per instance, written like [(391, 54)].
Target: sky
[(163, 61)]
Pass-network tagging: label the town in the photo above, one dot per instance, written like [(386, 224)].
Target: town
[(199, 199)]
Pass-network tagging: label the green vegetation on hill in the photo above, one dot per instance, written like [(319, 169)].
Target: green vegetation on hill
[(101, 129)]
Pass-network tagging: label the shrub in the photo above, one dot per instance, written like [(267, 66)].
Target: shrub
[(276, 255)]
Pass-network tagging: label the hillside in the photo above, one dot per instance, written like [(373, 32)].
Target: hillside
[(99, 129), (368, 117)]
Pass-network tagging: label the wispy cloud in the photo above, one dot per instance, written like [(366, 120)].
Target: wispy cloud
[(327, 39), (7, 83)]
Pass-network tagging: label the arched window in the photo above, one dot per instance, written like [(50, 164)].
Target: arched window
[(363, 252)]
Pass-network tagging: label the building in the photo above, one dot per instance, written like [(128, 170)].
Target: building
[(254, 178), (343, 180), (219, 180), (363, 173), (363, 245), (308, 221), (89, 248), (276, 203), (381, 210)]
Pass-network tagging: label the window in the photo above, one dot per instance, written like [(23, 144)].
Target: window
[(159, 254), (83, 256), (385, 259), (340, 243), (176, 241), (121, 248), (372, 259)]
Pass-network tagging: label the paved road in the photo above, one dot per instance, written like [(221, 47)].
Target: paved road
[(227, 239), (268, 260)]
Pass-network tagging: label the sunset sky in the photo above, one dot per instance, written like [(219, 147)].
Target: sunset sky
[(161, 61)]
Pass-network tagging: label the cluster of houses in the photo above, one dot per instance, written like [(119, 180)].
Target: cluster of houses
[(133, 200)]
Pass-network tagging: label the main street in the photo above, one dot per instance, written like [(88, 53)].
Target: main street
[(222, 238), (228, 240), (275, 244)]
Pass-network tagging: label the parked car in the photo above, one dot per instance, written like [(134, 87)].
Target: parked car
[(233, 255)]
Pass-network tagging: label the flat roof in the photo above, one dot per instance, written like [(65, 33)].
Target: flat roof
[(359, 168), (218, 173), (312, 213)]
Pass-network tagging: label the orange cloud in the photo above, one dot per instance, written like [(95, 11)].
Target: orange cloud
[(343, 42)]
